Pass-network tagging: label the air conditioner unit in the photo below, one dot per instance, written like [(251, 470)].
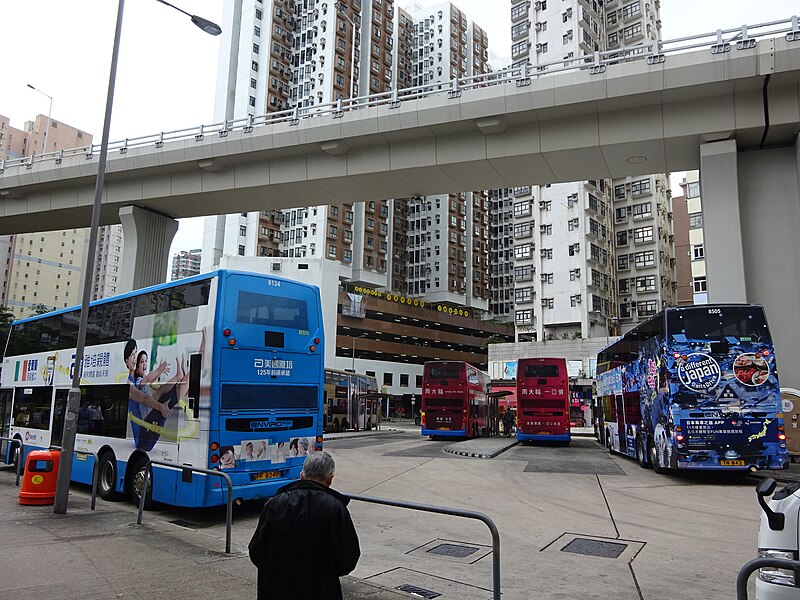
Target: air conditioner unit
[(538, 27)]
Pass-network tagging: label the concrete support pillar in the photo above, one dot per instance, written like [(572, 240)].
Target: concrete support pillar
[(769, 203), (722, 228), (147, 237), (751, 222)]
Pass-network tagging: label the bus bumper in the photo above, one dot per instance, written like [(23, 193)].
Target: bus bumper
[(460, 433), (537, 437)]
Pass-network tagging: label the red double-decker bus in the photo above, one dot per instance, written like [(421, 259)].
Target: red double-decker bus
[(542, 400), (456, 400)]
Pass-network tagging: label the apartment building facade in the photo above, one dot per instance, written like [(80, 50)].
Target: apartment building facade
[(185, 263), (589, 258), (45, 269)]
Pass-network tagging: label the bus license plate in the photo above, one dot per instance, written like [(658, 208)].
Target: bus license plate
[(731, 463), (266, 475), (443, 428), (542, 433)]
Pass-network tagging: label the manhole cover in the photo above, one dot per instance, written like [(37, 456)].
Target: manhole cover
[(595, 548), (418, 591), (454, 550)]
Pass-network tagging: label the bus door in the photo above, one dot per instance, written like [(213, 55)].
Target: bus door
[(619, 403), (5, 422), (5, 411), (58, 417)]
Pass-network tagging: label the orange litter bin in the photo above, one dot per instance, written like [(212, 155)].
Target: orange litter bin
[(41, 474)]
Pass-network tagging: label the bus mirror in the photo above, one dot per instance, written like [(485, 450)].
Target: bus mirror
[(766, 487)]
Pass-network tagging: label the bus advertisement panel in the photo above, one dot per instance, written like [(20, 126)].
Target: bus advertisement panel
[(352, 401), (455, 400), (695, 388), (543, 400), (222, 370)]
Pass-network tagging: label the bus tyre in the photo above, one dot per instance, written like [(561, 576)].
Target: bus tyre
[(137, 481), (107, 476), (641, 451), (336, 427), (345, 424), (654, 459), (369, 426)]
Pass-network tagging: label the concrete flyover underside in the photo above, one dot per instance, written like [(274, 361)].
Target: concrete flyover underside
[(633, 119)]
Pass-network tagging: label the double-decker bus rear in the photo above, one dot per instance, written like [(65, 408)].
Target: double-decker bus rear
[(542, 400), (455, 400), (270, 384)]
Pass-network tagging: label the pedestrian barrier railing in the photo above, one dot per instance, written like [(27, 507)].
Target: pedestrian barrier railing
[(9, 452), (456, 512), (653, 52), (187, 468), (95, 472), (760, 563)]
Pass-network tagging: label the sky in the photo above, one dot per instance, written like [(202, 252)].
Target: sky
[(167, 67)]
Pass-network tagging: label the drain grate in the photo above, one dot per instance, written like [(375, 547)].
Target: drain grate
[(595, 548), (454, 550), (418, 591)]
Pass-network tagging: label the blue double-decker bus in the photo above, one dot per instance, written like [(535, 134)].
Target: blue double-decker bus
[(695, 388), (219, 371)]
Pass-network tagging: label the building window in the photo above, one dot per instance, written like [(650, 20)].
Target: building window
[(332, 250), (242, 230), (699, 284), (622, 238), (640, 187), (522, 295), (523, 251), (693, 189), (643, 234), (418, 381), (623, 286), (641, 211), (387, 379), (523, 273), (646, 284), (522, 209), (241, 250), (403, 380), (523, 317), (645, 259), (698, 252), (647, 308), (696, 221)]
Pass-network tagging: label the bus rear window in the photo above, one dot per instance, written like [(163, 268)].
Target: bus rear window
[(271, 311), (745, 323), (541, 371), (236, 396), (445, 402)]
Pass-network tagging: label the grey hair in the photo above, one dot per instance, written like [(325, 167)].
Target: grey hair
[(318, 466)]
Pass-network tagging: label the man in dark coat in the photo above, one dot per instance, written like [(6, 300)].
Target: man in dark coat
[(305, 539)]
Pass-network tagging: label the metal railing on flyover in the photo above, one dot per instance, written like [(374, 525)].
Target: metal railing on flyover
[(225, 476), (456, 512), (8, 450), (653, 52), (759, 563)]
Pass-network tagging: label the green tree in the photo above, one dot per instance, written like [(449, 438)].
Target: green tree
[(6, 318), (40, 309)]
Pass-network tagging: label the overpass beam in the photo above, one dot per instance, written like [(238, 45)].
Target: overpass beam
[(147, 237)]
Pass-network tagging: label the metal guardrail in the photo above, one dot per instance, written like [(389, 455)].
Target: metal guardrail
[(718, 42), (95, 472), (225, 476), (758, 563), (17, 441), (456, 512)]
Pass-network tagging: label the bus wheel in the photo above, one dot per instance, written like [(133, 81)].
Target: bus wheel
[(107, 476), (336, 427), (137, 481), (369, 426), (641, 450), (345, 424), (654, 460)]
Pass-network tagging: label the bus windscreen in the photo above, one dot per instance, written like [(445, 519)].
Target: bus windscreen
[(745, 323), (271, 311), (541, 370)]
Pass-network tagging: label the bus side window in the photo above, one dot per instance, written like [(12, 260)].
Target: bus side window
[(194, 384)]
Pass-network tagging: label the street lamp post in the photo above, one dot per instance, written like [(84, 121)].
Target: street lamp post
[(74, 396), (49, 111), (341, 10)]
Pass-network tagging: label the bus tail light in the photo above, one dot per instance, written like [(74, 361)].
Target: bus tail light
[(316, 341), (214, 446), (765, 352), (781, 436), (226, 332), (215, 458), (312, 348), (232, 342), (679, 437), (319, 439)]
